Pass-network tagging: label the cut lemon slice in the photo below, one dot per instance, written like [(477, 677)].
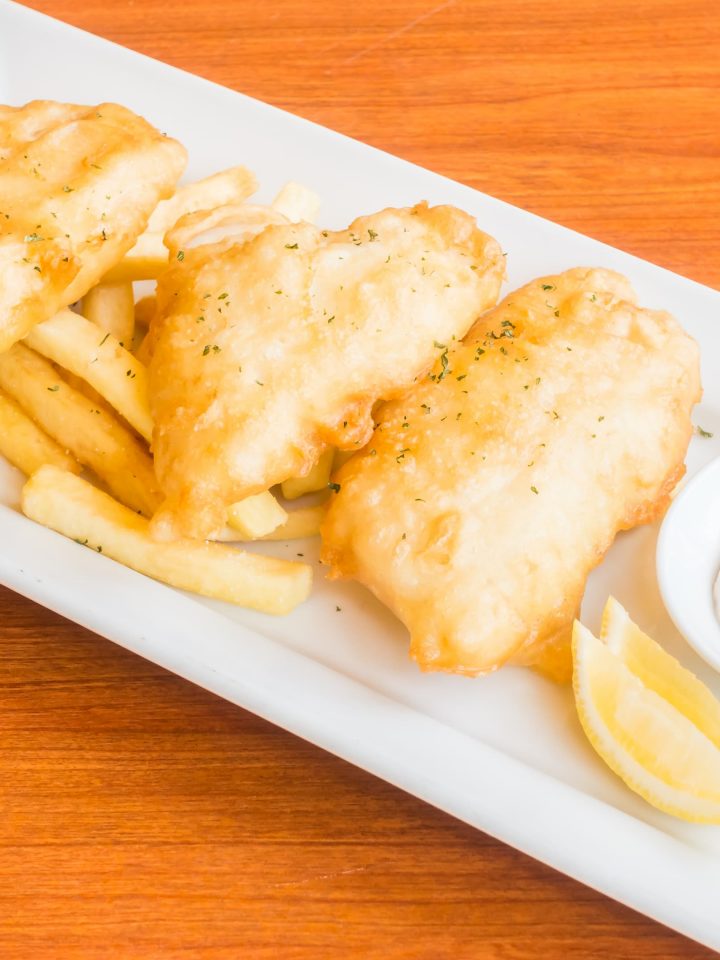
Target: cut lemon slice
[(659, 671), (653, 722)]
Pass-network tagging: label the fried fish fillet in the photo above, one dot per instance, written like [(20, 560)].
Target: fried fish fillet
[(77, 187), (492, 487), (268, 351)]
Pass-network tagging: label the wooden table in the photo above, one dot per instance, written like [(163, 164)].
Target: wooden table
[(144, 818)]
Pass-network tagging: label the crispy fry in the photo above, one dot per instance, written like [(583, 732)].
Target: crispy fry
[(77, 345), (227, 534), (300, 523), (233, 185), (91, 434), (256, 516), (25, 445), (144, 311), (233, 222), (149, 257), (145, 348), (297, 202), (146, 261), (111, 306), (75, 508), (83, 387), (316, 479)]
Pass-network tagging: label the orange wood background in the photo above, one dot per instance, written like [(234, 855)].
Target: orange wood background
[(143, 818)]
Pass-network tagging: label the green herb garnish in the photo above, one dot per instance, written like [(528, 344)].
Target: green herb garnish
[(444, 364)]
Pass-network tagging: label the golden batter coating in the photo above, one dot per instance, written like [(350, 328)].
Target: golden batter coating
[(267, 352), (77, 186), (492, 487)]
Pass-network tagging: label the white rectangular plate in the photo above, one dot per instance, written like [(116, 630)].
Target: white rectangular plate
[(504, 753)]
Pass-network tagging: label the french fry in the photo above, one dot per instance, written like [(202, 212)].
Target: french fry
[(80, 347), (144, 311), (256, 516), (234, 221), (297, 202), (25, 445), (138, 337), (83, 387), (316, 479), (300, 523), (233, 185), (89, 432), (111, 306), (75, 508), (149, 257), (145, 349), (145, 261)]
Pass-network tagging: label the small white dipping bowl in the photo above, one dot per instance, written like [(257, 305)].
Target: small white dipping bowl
[(688, 561)]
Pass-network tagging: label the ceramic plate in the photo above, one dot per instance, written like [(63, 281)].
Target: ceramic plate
[(504, 753)]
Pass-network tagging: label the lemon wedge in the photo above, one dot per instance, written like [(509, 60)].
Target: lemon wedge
[(651, 720)]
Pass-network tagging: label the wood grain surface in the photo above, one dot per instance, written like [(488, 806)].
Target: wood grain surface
[(141, 817)]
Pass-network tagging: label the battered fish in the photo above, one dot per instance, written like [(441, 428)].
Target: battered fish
[(268, 351), (492, 487), (77, 186)]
